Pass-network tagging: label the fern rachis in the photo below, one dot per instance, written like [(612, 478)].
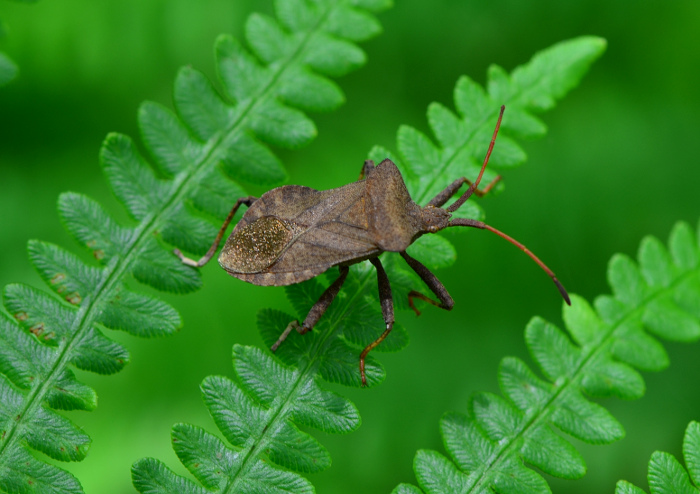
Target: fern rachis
[(212, 131), (489, 445), (330, 351)]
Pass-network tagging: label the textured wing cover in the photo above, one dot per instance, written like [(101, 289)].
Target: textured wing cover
[(294, 233)]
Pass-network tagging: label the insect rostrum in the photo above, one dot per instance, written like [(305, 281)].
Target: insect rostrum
[(293, 233)]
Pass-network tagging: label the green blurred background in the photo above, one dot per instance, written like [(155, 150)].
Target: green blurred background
[(620, 161)]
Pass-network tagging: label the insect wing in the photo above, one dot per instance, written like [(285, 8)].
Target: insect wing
[(309, 231), (257, 245)]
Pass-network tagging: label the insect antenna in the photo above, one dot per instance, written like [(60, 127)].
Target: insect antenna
[(472, 187), (480, 224), (484, 226)]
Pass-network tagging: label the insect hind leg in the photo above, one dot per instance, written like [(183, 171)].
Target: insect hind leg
[(318, 309), (446, 302), (387, 303)]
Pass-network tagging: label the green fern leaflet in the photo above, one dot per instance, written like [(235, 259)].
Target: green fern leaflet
[(199, 152), (658, 297), (260, 410), (463, 138), (667, 475)]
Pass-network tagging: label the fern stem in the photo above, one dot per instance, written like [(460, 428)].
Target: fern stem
[(113, 273), (276, 418), (439, 177), (111, 277), (319, 348), (36, 395), (509, 450), (306, 372), (83, 319)]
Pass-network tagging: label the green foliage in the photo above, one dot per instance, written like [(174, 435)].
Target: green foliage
[(667, 475), (8, 69), (180, 204), (463, 139), (658, 297), (265, 395), (257, 411)]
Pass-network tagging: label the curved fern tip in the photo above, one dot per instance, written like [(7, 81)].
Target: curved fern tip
[(598, 41), (601, 41)]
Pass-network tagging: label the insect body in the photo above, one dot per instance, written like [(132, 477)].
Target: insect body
[(293, 233)]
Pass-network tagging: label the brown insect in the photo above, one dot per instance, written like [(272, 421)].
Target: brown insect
[(293, 233)]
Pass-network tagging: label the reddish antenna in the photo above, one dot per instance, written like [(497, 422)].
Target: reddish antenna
[(484, 226), (472, 187)]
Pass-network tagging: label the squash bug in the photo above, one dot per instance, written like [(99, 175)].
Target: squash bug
[(293, 233)]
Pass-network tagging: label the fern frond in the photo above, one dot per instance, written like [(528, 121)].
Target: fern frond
[(178, 204), (657, 297), (462, 139), (666, 475), (258, 411)]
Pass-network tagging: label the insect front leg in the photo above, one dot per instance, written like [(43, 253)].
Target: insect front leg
[(433, 283), (473, 187), (316, 311), (387, 304), (449, 191), (210, 253)]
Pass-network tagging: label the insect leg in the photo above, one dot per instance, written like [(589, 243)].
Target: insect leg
[(433, 283), (366, 169), (473, 186), (292, 325), (317, 310), (387, 304), (210, 253), (445, 195)]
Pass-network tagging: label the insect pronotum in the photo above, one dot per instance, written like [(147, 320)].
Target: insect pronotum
[(293, 233)]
